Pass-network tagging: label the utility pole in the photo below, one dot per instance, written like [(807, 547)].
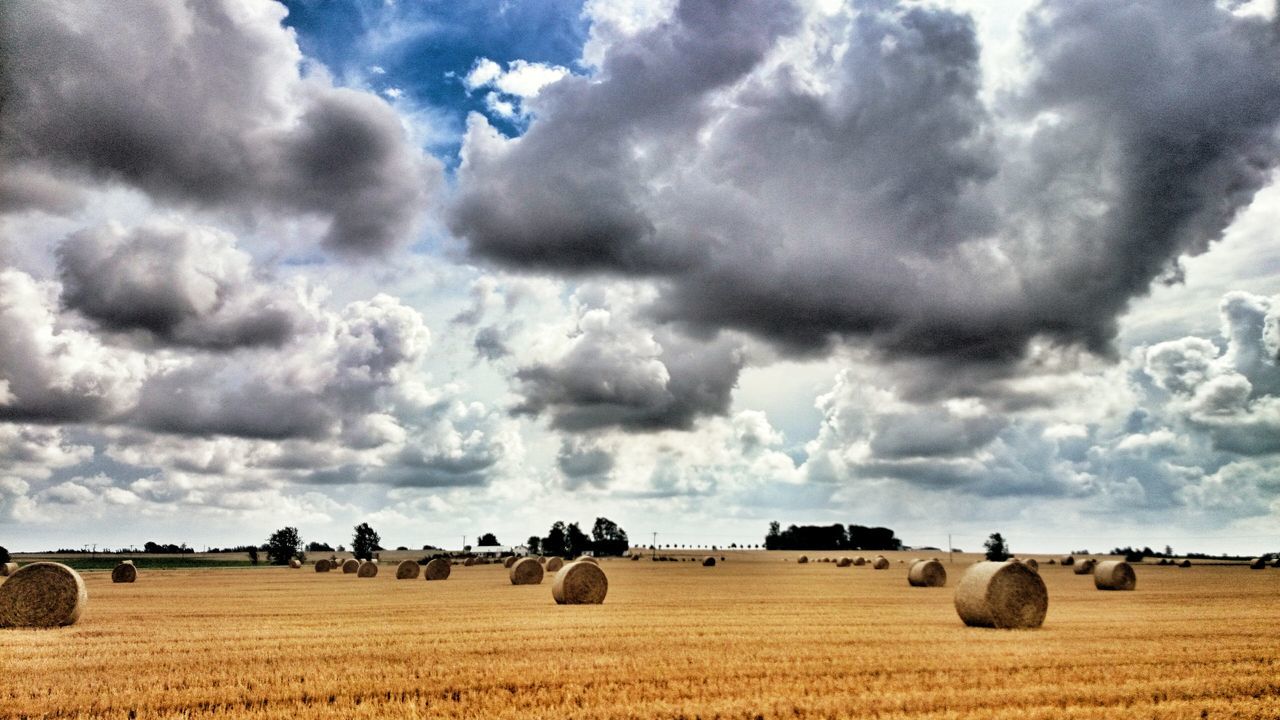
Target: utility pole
[(654, 547), (950, 551)]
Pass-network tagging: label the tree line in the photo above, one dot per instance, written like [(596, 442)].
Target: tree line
[(830, 537)]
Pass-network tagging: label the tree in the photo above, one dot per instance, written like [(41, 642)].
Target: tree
[(488, 540), (576, 541), (283, 545), (534, 542), (609, 539), (554, 543), (253, 556), (318, 547), (996, 548), (365, 542)]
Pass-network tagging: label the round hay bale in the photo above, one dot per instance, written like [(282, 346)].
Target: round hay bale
[(437, 569), (8, 569), (580, 583), (1258, 564), (542, 559), (295, 564), (1052, 562), (635, 558), (927, 573), (323, 565), (1068, 560), (554, 564), (124, 573), (1085, 567), (469, 562), (1184, 564), (1114, 575), (708, 561), (408, 570), (127, 562), (526, 572), (1003, 595), (351, 566), (803, 559), (1031, 563), (859, 561), (1276, 564), (42, 594), (367, 570), (592, 560), (509, 562), (844, 562), (880, 563)]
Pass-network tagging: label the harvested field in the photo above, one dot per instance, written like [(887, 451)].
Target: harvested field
[(756, 638)]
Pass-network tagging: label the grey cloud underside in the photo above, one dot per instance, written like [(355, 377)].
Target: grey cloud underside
[(889, 201), (199, 105)]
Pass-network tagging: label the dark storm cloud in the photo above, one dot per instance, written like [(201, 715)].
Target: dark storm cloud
[(202, 103), (868, 191), (181, 285)]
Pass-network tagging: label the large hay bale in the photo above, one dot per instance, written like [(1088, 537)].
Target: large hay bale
[(927, 573), (42, 594), (351, 566), (323, 565), (880, 563), (1114, 575), (803, 559), (509, 562), (554, 564), (708, 561), (124, 573), (1086, 566), (367, 570), (1003, 595), (1031, 563), (295, 564), (1258, 564), (859, 561), (592, 560), (437, 569), (844, 562), (526, 572), (1068, 560), (408, 570), (8, 569), (580, 583)]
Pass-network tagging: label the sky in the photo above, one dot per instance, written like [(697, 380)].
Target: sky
[(950, 267)]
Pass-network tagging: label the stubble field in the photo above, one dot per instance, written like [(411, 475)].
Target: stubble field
[(755, 637)]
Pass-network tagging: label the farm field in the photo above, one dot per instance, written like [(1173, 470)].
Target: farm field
[(758, 636)]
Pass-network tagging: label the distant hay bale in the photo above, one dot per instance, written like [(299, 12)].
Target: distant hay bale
[(635, 558), (1052, 562), (1276, 564), (8, 569), (526, 572), (880, 563), (927, 573), (859, 561), (708, 561), (580, 583), (1163, 561), (844, 562), (509, 562), (437, 569), (1086, 566), (469, 562), (351, 566), (124, 573), (554, 564), (1004, 595), (1068, 560), (408, 570), (1031, 563), (1184, 564), (542, 559), (42, 594), (295, 564), (1114, 575), (127, 562), (1258, 564), (323, 565), (803, 559), (367, 570), (592, 560)]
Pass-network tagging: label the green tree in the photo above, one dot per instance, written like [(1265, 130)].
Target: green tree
[(554, 543), (283, 545), (997, 550), (773, 540), (253, 556), (365, 542), (609, 539), (488, 540), (534, 542), (576, 541)]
